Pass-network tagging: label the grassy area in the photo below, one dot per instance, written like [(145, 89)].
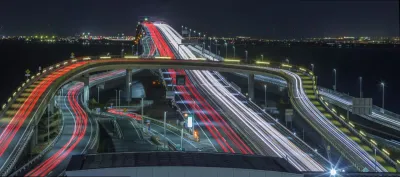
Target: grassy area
[(308, 88)]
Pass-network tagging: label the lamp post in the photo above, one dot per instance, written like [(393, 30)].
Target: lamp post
[(383, 96), (210, 41), (334, 86), (216, 47), (190, 31), (360, 87), (262, 57), (246, 55), (287, 60), (132, 49), (130, 90), (98, 94), (234, 51), (116, 98), (209, 52), (204, 46), (226, 50), (312, 67), (265, 95), (119, 98), (182, 30)]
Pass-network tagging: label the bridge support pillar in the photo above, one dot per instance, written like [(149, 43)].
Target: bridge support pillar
[(34, 139), (86, 89), (51, 105), (128, 85), (251, 86)]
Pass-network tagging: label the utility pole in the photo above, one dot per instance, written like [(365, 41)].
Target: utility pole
[(142, 112), (165, 125), (361, 94)]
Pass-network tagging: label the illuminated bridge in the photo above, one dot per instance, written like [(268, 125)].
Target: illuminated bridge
[(262, 134)]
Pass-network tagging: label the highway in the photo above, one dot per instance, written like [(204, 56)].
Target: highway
[(344, 101), (118, 63), (325, 127), (275, 143), (228, 140), (16, 123), (79, 132)]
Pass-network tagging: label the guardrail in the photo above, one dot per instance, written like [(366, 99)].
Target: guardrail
[(358, 134), (38, 157), (73, 72)]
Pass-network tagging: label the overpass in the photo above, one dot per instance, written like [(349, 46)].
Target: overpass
[(22, 111), (75, 68)]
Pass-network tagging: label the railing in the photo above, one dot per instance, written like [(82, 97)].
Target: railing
[(38, 157), (357, 133)]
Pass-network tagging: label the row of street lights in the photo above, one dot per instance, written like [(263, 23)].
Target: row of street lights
[(360, 79), (286, 60)]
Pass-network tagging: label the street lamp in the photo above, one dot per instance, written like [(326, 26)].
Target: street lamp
[(116, 98), (190, 31), (383, 96), (132, 49), (265, 95), (332, 172), (312, 67), (226, 50), (262, 57), (216, 47), (210, 41), (182, 30), (209, 52), (234, 52), (361, 87), (287, 60), (130, 96), (246, 55), (98, 94), (334, 86), (204, 46), (119, 98)]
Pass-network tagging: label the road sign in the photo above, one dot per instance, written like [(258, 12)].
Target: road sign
[(170, 94), (180, 80), (72, 55), (362, 106), (27, 71), (125, 110), (190, 120), (288, 115)]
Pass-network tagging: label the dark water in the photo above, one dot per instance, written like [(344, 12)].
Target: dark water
[(373, 64)]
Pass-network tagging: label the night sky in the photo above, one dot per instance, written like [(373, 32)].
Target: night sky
[(258, 18)]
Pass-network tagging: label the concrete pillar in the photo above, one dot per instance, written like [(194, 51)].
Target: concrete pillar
[(128, 85), (34, 138), (51, 106), (86, 88), (251, 86)]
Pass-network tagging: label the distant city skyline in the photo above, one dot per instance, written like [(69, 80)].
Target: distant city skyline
[(264, 19)]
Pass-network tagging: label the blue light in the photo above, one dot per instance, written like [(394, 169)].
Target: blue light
[(333, 172)]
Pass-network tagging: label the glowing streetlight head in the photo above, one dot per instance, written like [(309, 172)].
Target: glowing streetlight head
[(334, 70), (332, 172), (383, 84)]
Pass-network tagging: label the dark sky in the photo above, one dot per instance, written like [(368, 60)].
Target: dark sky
[(259, 18)]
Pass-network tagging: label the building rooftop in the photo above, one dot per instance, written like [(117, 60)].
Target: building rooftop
[(196, 159)]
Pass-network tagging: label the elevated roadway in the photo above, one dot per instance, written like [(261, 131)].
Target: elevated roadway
[(77, 67)]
